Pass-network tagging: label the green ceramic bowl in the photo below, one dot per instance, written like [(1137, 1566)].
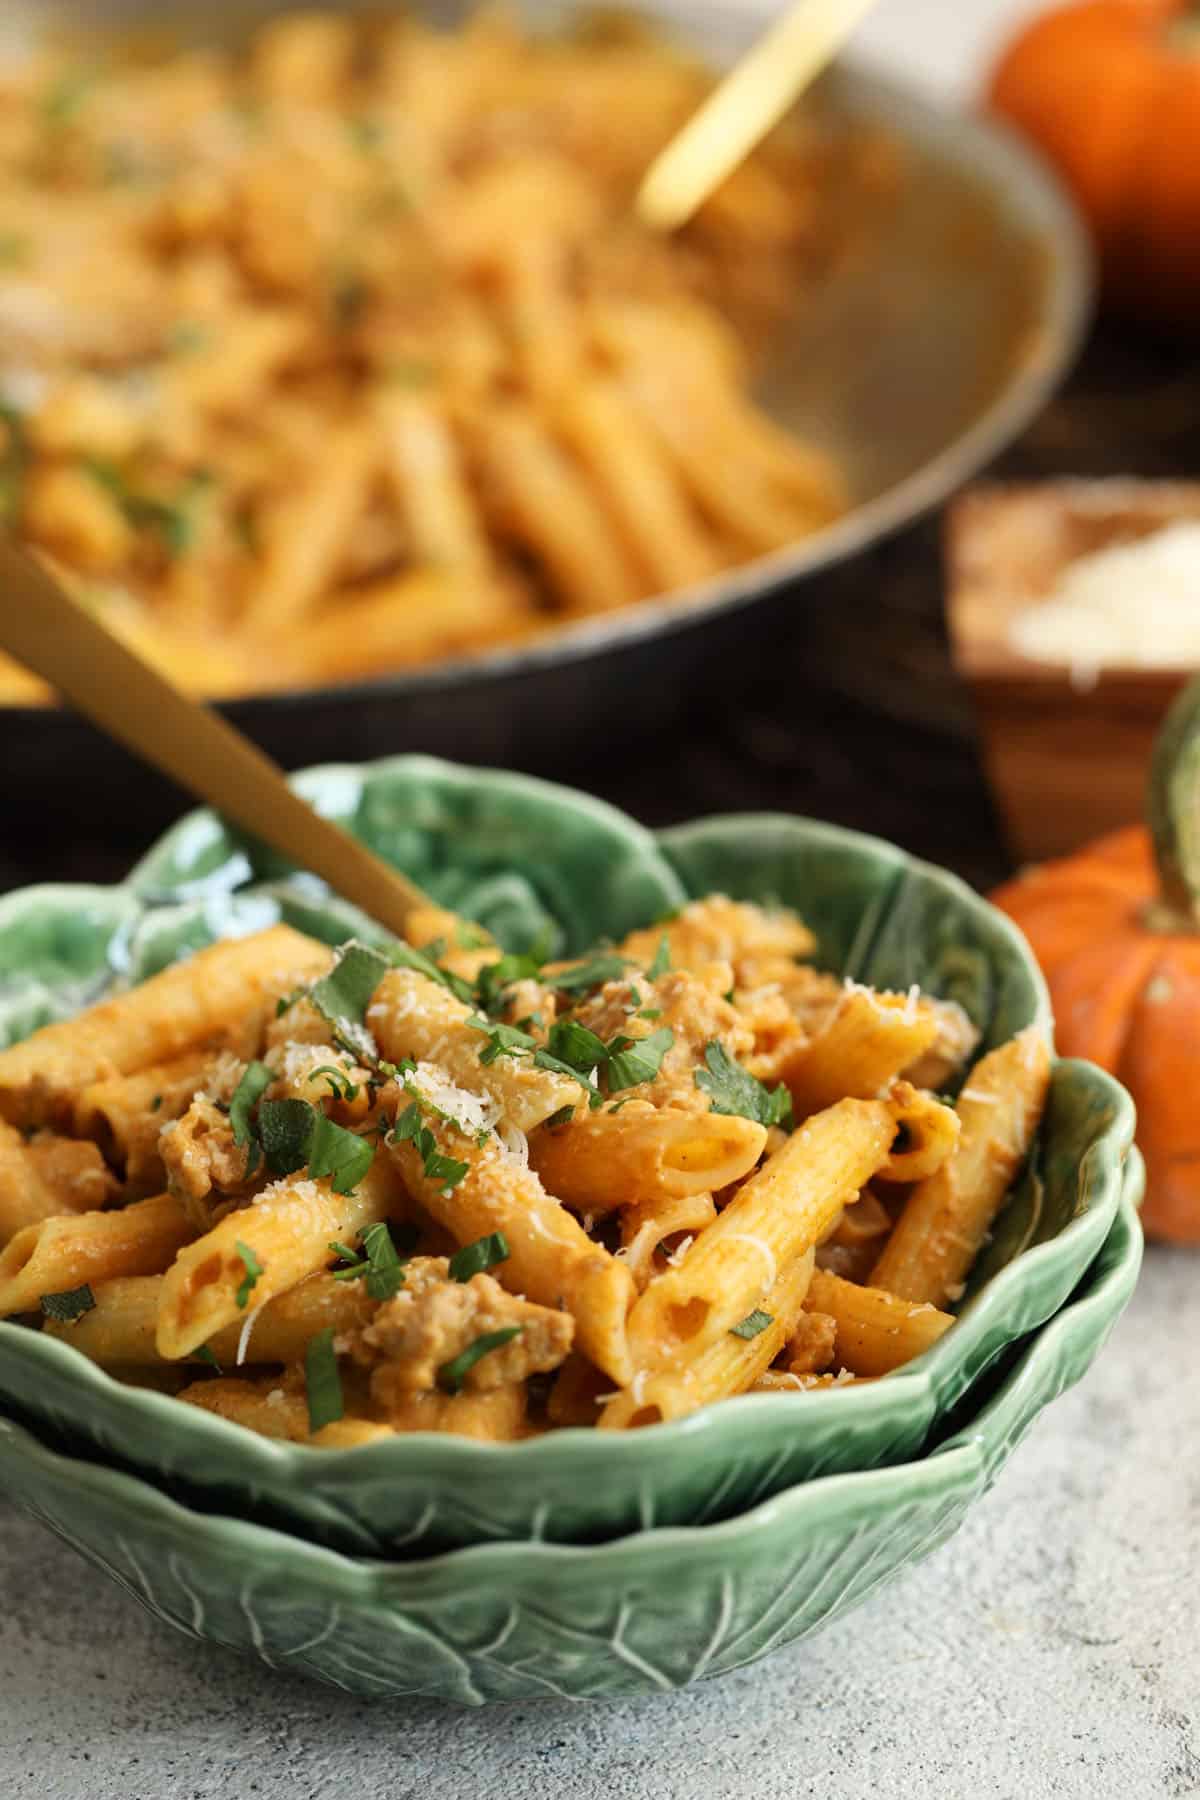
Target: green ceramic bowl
[(526, 857), (526, 1621)]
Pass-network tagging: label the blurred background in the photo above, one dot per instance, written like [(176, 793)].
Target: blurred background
[(779, 416)]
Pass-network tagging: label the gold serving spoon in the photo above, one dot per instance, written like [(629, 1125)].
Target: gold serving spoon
[(743, 107), (106, 681)]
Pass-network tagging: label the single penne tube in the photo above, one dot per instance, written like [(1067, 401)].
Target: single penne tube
[(191, 1003), (63, 1253), (926, 1133), (947, 1217), (782, 1381), (607, 1160), (45, 1176), (729, 1365), (277, 1412), (860, 1050), (125, 1113), (423, 465), (779, 1214), (875, 1331), (551, 1259), (121, 1329), (287, 1229), (759, 945), (412, 1016)]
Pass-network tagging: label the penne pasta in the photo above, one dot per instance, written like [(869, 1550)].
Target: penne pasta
[(192, 1003), (270, 1409), (860, 1050), (287, 1232), (728, 1364), (947, 1217), (126, 1113), (551, 1259), (627, 1159), (875, 1331), (775, 1218), (412, 1016), (64, 1253)]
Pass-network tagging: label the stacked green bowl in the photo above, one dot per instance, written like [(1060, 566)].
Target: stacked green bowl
[(567, 1564)]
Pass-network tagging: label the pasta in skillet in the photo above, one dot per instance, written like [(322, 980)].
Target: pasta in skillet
[(345, 354), (334, 1196)]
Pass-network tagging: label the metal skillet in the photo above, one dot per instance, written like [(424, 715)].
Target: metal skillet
[(915, 363)]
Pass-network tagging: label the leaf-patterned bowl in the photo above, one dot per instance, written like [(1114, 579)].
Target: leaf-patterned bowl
[(525, 857), (526, 1621)]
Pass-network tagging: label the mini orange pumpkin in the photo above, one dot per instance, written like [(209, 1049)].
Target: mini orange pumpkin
[(1110, 91), (1116, 928)]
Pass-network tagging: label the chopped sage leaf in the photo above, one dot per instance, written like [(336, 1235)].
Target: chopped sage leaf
[(752, 1324), (452, 1374), (476, 1258), (205, 1355), (69, 1305), (250, 1279), (322, 1381), (343, 996), (285, 1128), (734, 1091), (560, 1117), (256, 1079)]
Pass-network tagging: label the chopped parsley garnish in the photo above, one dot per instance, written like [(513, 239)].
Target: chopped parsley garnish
[(250, 1279), (752, 1324), (502, 1040), (576, 1046), (650, 1012), (544, 1060), (476, 1258), (385, 1271), (452, 1374), (662, 959), (340, 1085), (322, 1381), (494, 977), (69, 1305), (174, 520), (447, 1171), (341, 1155), (205, 1355), (592, 972), (471, 937), (633, 1060), (734, 1091), (156, 1103), (561, 1117)]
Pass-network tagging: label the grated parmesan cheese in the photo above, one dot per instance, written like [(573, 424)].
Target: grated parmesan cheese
[(515, 1143), (1133, 604), (768, 1255), (247, 1328), (470, 1112)]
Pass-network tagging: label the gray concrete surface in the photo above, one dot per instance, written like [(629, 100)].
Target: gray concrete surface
[(1051, 1649)]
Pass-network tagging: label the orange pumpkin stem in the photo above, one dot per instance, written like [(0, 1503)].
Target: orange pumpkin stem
[(1173, 813)]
